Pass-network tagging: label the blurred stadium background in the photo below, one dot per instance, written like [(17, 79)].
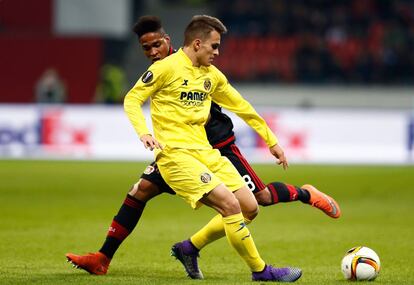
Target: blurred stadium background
[(327, 75), (334, 80)]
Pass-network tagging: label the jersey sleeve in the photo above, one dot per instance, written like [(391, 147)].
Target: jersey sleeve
[(147, 85), (228, 97)]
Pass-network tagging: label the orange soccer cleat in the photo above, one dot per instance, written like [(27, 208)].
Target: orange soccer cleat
[(323, 202), (95, 263)]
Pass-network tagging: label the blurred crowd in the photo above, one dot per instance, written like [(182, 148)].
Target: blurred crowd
[(319, 41), (366, 42)]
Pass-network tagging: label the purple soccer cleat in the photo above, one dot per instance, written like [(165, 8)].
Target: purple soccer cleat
[(187, 254), (270, 273)]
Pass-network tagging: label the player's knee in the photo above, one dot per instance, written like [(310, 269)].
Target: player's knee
[(133, 189), (263, 197), (144, 190), (230, 207), (251, 212), (250, 216)]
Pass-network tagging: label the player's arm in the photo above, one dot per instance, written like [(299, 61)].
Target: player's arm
[(135, 98), (229, 98)]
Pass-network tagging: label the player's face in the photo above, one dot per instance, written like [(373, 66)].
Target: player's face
[(209, 49), (156, 46)]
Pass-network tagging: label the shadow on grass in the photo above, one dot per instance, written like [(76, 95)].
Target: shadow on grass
[(117, 277)]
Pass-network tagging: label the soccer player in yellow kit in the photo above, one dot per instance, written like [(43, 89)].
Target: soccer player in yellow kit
[(156, 45), (181, 88)]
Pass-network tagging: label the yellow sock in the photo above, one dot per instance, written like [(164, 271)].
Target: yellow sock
[(214, 230), (209, 233), (242, 241)]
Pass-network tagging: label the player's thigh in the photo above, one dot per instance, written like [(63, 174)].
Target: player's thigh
[(251, 179), (222, 200)]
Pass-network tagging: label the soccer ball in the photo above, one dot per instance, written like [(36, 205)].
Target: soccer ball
[(360, 263)]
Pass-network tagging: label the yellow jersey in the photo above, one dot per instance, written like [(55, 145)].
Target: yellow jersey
[(181, 96)]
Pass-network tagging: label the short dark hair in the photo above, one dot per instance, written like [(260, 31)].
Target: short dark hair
[(148, 24), (201, 26)]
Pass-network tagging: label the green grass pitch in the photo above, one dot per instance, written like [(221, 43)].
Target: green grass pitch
[(51, 208)]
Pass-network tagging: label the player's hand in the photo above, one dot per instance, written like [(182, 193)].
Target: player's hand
[(150, 142), (278, 152)]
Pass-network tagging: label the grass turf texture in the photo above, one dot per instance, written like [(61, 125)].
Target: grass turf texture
[(50, 208)]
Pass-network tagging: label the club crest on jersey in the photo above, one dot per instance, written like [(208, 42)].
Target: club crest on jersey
[(147, 76), (205, 177), (150, 169), (207, 84)]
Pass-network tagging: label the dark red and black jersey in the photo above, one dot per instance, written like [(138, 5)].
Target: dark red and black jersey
[(219, 128), (171, 51)]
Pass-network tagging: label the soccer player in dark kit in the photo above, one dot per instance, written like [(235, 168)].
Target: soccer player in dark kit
[(156, 45)]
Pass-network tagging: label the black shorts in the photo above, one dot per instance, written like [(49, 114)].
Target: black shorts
[(232, 152), (253, 182), (152, 174)]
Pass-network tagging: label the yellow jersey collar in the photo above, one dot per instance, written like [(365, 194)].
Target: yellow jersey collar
[(185, 57)]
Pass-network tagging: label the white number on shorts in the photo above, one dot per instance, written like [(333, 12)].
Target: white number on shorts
[(249, 182)]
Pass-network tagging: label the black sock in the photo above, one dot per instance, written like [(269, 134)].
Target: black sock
[(282, 192), (122, 225)]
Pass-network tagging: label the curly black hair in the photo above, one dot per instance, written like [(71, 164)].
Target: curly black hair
[(148, 24)]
